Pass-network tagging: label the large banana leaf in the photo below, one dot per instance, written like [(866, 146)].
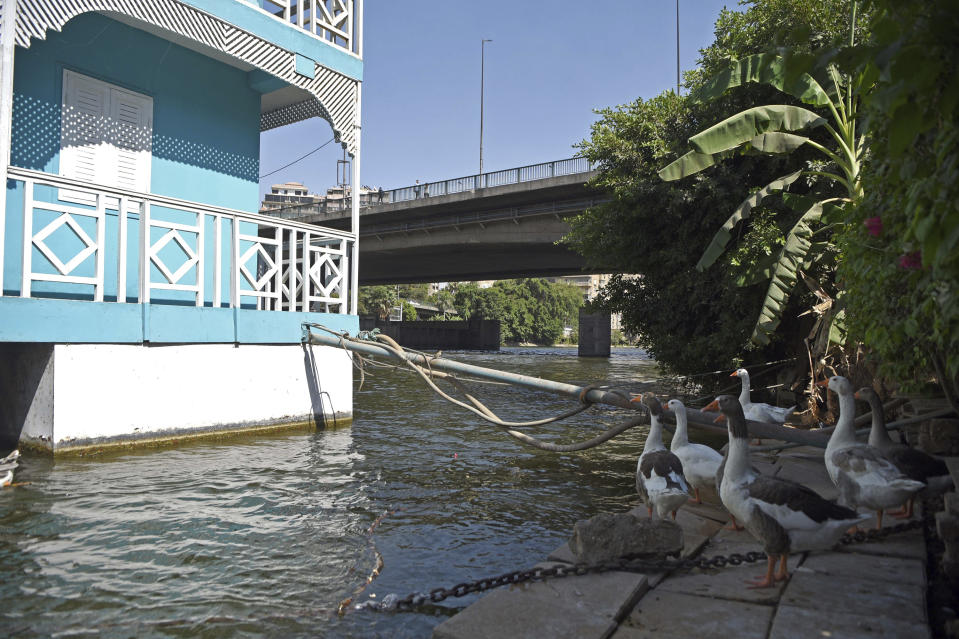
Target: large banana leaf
[(778, 142), (785, 275), (690, 163), (719, 241), (746, 125), (767, 68)]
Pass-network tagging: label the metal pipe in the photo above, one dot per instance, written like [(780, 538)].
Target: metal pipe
[(613, 397)]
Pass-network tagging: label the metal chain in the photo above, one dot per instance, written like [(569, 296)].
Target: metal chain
[(416, 599)]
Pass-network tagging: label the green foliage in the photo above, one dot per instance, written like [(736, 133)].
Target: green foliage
[(377, 300), (900, 247), (416, 292), (529, 310), (409, 312), (691, 321), (764, 129)]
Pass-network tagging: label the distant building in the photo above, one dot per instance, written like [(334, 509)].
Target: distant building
[(288, 193), (295, 194)]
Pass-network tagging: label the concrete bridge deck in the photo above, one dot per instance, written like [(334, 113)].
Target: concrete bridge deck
[(493, 232)]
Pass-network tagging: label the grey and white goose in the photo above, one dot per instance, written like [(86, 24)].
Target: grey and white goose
[(700, 463), (862, 473), (914, 464), (783, 515), (659, 473)]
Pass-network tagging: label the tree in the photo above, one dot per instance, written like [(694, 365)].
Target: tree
[(691, 321), (771, 129), (900, 247), (409, 311), (377, 300), (529, 310)]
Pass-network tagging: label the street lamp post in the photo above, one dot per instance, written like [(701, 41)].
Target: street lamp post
[(482, 86)]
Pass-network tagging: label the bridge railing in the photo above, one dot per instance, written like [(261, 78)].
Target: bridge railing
[(545, 170), (103, 244)]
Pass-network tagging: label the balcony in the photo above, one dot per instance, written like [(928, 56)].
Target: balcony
[(333, 21), (92, 243)]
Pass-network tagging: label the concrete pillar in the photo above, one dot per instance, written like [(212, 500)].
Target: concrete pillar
[(595, 334)]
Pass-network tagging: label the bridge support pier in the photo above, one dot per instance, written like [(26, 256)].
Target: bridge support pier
[(595, 334)]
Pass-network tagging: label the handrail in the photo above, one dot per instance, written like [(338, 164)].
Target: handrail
[(219, 256), (15, 172), (516, 175)]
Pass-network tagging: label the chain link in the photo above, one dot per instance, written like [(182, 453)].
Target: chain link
[(416, 599)]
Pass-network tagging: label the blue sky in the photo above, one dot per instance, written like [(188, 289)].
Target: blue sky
[(551, 63)]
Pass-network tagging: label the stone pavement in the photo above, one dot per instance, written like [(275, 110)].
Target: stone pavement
[(866, 590)]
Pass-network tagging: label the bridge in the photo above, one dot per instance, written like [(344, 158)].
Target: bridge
[(497, 225)]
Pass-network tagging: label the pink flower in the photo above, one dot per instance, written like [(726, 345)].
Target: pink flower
[(873, 225), (911, 261)]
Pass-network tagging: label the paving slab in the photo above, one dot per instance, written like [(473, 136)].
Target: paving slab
[(910, 544), (660, 614), (810, 474), (867, 567), (728, 583), (852, 594), (576, 607), (791, 622)]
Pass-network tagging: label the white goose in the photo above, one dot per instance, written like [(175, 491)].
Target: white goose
[(758, 411), (785, 516), (7, 479), (915, 464), (864, 475), (659, 473), (700, 463)]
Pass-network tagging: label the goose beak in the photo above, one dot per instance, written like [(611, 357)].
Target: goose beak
[(720, 419), (712, 406), (856, 395), (734, 374), (824, 382)]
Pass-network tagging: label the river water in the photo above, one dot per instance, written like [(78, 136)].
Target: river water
[(265, 536)]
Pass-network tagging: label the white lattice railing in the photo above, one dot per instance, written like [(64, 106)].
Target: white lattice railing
[(335, 21), (122, 246)]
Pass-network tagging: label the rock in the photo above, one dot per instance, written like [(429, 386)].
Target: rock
[(608, 537)]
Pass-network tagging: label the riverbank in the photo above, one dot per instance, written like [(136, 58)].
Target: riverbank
[(864, 590)]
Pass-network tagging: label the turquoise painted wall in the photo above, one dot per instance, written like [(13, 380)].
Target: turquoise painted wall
[(206, 120), (205, 144)]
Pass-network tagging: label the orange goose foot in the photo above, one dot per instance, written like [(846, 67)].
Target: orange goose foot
[(733, 525), (767, 580), (905, 512)]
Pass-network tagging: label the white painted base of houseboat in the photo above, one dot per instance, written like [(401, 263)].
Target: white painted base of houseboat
[(65, 397)]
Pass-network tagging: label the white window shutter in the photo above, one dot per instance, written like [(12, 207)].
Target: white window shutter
[(132, 120), (106, 137)]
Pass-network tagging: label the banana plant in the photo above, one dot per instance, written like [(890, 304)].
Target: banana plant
[(780, 129)]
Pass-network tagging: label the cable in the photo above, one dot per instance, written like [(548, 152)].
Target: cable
[(297, 159)]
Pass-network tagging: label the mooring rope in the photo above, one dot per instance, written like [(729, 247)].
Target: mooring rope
[(479, 409)]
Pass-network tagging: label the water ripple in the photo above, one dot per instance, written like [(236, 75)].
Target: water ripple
[(266, 535)]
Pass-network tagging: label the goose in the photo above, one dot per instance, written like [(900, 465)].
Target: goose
[(783, 515), (659, 473), (758, 411), (700, 463), (12, 457), (864, 476), (7, 479), (914, 464)]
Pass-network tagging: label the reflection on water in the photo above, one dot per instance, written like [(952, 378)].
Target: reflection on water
[(266, 535)]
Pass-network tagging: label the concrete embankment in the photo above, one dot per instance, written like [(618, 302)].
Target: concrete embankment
[(864, 590)]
